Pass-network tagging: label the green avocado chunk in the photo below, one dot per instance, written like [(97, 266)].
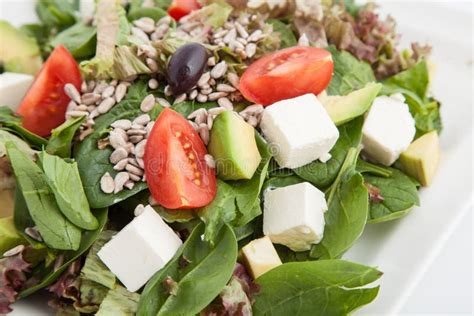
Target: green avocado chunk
[(233, 146), (342, 109), (22, 54), (9, 237)]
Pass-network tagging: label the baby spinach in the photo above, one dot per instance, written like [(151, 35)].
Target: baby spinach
[(6, 137), (93, 162), (287, 37), (399, 193), (79, 39), (323, 174), (60, 142), (348, 208), (196, 274), (154, 13), (23, 220), (48, 275), (57, 13), (325, 287), (56, 230), (349, 73), (367, 167), (11, 122)]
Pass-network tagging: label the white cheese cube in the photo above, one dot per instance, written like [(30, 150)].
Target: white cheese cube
[(388, 129), (140, 249), (294, 216), (260, 256), (299, 129), (13, 88)]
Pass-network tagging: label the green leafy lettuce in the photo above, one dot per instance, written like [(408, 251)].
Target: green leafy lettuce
[(119, 301)]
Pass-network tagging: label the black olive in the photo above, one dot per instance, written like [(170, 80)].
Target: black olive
[(186, 67)]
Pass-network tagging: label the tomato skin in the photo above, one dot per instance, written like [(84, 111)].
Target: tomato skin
[(176, 172), (286, 74), (180, 8), (44, 106)]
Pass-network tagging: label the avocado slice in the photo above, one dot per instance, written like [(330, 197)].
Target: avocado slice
[(20, 53), (9, 237), (233, 146), (421, 159), (342, 109)]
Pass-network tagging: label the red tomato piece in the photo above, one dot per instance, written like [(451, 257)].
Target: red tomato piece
[(180, 8), (176, 172), (287, 74), (44, 106)]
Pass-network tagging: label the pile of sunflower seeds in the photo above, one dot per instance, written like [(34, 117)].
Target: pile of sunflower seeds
[(147, 30), (128, 139), (94, 99)]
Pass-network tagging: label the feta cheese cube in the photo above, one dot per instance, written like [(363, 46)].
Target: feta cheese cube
[(388, 129), (13, 88), (140, 249), (294, 216), (260, 256), (299, 129)]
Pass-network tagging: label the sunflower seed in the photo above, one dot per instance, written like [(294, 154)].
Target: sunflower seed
[(72, 92), (122, 124), (107, 183), (91, 85), (140, 34), (168, 91), (130, 148), (242, 40), (82, 107), (141, 163), (217, 95), (146, 24), (255, 36), (236, 45), (134, 139), (100, 87), (129, 184), (106, 105), (90, 98), (201, 98), (222, 87), (119, 166), (211, 163), (141, 120), (134, 170), (108, 92), (180, 98), (220, 33), (250, 50), (206, 91), (201, 117), (216, 111), (193, 94), (152, 64), (33, 233), (303, 40), (210, 122), (71, 106), (211, 61), (230, 36), (84, 87), (117, 140), (225, 103), (153, 84), (204, 79), (148, 103), (253, 109), (140, 149), (233, 79), (164, 20), (134, 131), (252, 120), (134, 177), (241, 30), (14, 251), (163, 102), (139, 210), (219, 70), (118, 154), (204, 133), (77, 113), (194, 125), (149, 128), (120, 179), (120, 92), (194, 114)]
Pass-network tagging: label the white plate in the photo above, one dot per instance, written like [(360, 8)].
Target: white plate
[(402, 249)]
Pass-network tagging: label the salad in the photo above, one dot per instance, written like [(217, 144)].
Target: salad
[(206, 157)]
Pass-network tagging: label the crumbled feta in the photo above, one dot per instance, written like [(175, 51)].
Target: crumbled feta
[(299, 129), (260, 256), (294, 215), (13, 88), (140, 249), (388, 129)]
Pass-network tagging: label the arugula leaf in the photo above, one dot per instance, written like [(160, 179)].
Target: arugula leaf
[(94, 270), (287, 37), (321, 174), (326, 287), (93, 162), (60, 142), (399, 193), (11, 122), (349, 73), (56, 230), (196, 282), (79, 39), (347, 213), (47, 274), (119, 301)]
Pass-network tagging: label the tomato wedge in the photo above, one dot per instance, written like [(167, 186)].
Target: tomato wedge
[(286, 74), (176, 172), (44, 106), (180, 8)]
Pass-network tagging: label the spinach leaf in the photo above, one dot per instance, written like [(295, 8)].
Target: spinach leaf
[(154, 13), (323, 174), (57, 13), (349, 73), (197, 274), (93, 162), (288, 255), (119, 301), (60, 142), (94, 269), (11, 122), (347, 213), (287, 37), (23, 220), (56, 230), (6, 137), (66, 184), (280, 182), (48, 275), (79, 39), (399, 193), (367, 167), (326, 287)]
